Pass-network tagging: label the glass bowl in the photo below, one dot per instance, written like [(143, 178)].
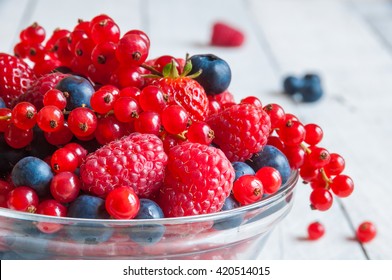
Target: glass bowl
[(233, 234)]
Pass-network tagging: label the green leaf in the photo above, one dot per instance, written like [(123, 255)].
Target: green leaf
[(187, 68)]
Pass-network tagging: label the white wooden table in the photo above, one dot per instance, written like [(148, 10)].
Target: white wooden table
[(349, 43)]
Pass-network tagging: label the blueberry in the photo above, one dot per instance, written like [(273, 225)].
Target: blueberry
[(2, 103), (271, 156), (216, 74), (79, 91), (241, 169), (9, 156), (292, 85), (232, 221), (32, 172), (147, 234), (88, 207), (312, 89), (39, 147)]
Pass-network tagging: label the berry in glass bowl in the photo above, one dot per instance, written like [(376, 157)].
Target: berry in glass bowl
[(119, 156)]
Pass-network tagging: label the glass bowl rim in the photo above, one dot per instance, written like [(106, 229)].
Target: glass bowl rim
[(287, 188)]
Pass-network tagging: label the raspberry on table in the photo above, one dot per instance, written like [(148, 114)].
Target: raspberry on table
[(137, 160), (240, 130), (198, 180)]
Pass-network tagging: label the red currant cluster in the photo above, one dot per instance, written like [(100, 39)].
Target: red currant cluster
[(93, 48), (318, 167)]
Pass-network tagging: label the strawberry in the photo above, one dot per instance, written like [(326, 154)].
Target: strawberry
[(15, 77), (224, 35), (184, 91), (240, 130), (198, 179)]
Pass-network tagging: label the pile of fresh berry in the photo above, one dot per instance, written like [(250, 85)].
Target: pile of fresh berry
[(91, 128)]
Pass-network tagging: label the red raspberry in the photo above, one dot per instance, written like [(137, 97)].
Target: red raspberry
[(15, 77), (137, 160), (224, 35), (240, 130), (198, 179), (35, 93)]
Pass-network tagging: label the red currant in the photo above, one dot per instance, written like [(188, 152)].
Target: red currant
[(321, 199), (18, 138), (200, 132), (148, 122), (152, 99), (51, 207), (276, 113), (59, 137), (50, 119), (105, 31), (82, 122), (64, 159), (78, 150), (314, 134), (336, 165), (24, 115), (102, 101), (126, 109), (270, 178), (366, 232), (23, 199), (292, 133), (342, 185), (315, 231), (122, 203), (174, 119), (132, 50), (5, 118), (65, 187), (56, 98), (247, 189)]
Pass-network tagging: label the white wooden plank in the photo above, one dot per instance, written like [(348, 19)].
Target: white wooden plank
[(332, 38)]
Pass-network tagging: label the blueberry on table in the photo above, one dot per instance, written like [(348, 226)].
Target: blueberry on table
[(88, 207), (147, 234), (292, 85), (273, 157), (34, 173), (78, 91), (312, 89), (215, 77)]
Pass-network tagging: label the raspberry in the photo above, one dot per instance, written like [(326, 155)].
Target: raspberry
[(136, 161), (224, 35), (198, 179), (240, 130), (15, 77), (35, 93)]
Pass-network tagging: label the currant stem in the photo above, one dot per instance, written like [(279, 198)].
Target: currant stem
[(151, 69), (305, 148), (6, 118), (325, 177)]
